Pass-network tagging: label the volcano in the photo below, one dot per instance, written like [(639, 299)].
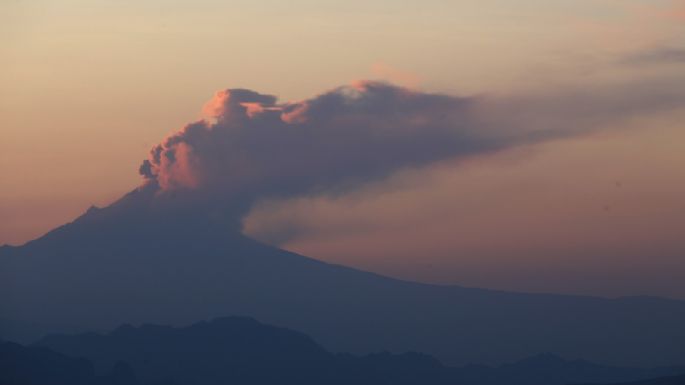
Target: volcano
[(137, 262)]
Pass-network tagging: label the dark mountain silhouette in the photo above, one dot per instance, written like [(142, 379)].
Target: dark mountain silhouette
[(138, 261), (240, 350), (548, 369), (670, 380), (21, 365)]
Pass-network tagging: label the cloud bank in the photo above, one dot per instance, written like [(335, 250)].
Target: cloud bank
[(252, 148)]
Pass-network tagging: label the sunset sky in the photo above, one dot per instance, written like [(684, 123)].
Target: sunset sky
[(595, 206)]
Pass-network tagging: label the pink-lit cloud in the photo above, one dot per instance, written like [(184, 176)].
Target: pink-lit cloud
[(252, 148), (676, 11)]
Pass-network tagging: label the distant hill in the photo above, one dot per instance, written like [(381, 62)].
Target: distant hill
[(21, 365), (242, 351), (548, 369), (239, 350), (670, 380), (135, 262)]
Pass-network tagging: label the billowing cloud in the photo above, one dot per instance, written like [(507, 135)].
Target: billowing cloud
[(253, 148), (256, 148)]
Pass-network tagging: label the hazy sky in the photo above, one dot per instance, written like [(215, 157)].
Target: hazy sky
[(88, 87)]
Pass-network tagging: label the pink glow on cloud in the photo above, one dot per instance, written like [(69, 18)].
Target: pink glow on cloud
[(215, 106), (253, 148), (297, 115), (677, 10), (672, 11), (253, 109), (183, 172)]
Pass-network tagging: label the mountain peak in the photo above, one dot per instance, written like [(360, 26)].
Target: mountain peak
[(137, 261)]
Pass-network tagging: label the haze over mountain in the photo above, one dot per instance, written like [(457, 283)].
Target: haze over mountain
[(243, 351), (133, 262), (21, 365)]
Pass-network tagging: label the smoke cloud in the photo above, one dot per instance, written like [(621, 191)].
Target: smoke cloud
[(251, 147)]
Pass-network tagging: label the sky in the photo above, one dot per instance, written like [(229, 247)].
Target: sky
[(595, 207)]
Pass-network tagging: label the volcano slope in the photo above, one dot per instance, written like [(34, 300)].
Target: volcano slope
[(131, 263)]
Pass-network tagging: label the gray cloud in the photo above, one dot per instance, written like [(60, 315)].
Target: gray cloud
[(253, 148)]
